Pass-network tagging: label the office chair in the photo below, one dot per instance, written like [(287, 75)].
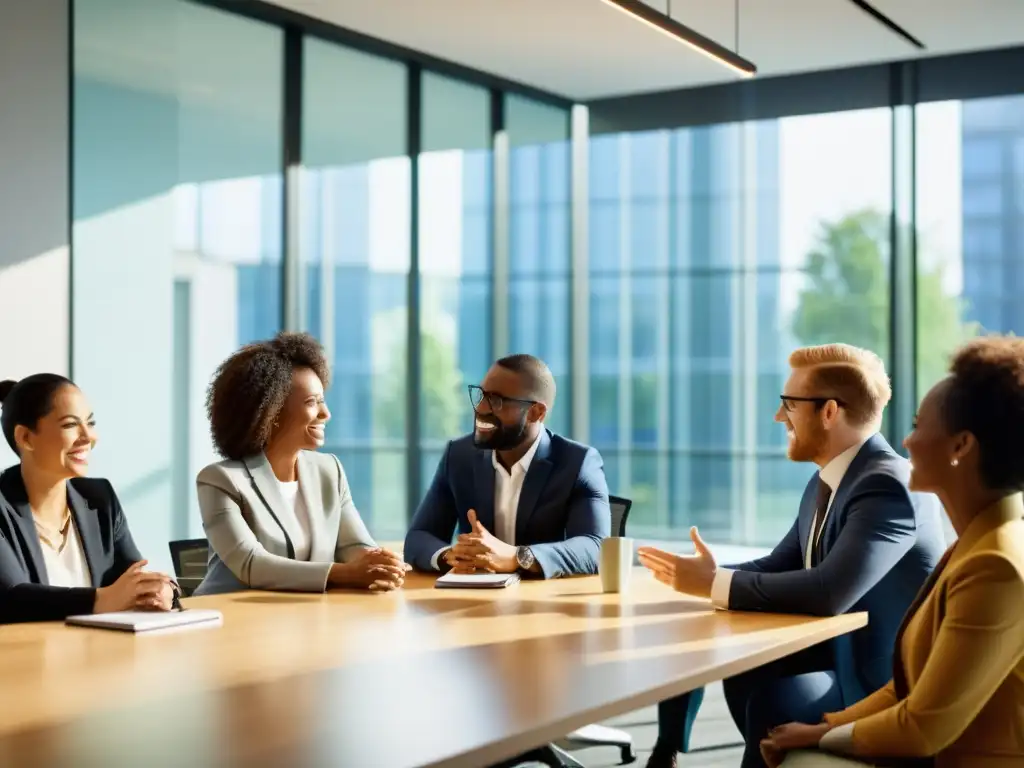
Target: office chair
[(600, 735), (189, 558), (620, 512)]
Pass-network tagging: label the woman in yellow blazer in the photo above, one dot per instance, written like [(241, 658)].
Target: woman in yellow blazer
[(956, 699)]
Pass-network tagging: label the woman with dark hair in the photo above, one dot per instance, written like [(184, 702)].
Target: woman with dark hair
[(278, 514), (65, 547), (956, 699)]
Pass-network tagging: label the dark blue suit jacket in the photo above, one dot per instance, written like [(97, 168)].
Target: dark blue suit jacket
[(563, 509), (879, 545)]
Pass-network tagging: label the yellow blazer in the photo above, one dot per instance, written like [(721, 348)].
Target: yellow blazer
[(959, 658)]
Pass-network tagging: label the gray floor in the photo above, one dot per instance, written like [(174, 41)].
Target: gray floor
[(714, 737)]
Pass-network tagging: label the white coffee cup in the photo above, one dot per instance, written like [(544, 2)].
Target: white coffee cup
[(616, 564)]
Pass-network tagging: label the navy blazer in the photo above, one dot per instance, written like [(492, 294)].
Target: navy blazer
[(879, 545), (563, 511), (25, 592)]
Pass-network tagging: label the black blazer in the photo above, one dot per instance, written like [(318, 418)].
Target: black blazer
[(25, 592)]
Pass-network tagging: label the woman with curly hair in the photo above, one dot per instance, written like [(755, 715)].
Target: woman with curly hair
[(956, 698), (279, 515)]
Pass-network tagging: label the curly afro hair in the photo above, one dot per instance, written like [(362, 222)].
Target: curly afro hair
[(250, 388), (986, 398)]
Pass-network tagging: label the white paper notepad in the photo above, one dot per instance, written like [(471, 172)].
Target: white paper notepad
[(476, 580), (146, 621)]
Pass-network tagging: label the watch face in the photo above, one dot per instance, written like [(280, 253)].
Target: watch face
[(524, 556)]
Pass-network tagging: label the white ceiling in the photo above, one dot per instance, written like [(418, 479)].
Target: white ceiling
[(585, 49)]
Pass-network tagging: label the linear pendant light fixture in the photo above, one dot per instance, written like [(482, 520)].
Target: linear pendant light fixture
[(667, 25)]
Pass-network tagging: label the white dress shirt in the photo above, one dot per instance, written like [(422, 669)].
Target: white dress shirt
[(508, 487), (832, 475), (294, 501), (66, 566)]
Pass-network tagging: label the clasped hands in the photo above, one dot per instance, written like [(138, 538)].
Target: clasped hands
[(375, 568), (136, 589), (481, 551)]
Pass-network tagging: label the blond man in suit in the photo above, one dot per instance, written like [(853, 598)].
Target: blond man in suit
[(860, 541), (956, 699)]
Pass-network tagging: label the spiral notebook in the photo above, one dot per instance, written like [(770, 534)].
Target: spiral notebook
[(147, 621), (476, 580)]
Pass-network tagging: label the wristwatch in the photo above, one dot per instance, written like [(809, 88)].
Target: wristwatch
[(525, 558)]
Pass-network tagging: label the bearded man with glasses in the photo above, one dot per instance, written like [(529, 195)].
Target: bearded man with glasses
[(861, 541), (513, 496)]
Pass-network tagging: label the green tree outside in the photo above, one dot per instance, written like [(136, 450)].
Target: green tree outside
[(444, 402), (847, 297)]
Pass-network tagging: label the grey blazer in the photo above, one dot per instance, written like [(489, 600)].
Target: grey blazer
[(250, 528)]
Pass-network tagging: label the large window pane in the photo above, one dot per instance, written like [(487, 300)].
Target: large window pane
[(454, 200), (714, 251), (354, 244), (539, 241), (970, 220), (177, 235)]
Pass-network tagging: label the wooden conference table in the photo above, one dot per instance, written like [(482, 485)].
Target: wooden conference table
[(420, 677)]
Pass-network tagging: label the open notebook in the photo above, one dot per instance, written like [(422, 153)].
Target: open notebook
[(146, 621), (476, 580)]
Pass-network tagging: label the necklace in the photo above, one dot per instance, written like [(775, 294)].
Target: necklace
[(54, 538)]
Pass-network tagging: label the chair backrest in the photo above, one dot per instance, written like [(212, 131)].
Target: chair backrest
[(620, 511), (189, 558)]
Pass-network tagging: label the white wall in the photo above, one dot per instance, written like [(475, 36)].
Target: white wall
[(34, 335)]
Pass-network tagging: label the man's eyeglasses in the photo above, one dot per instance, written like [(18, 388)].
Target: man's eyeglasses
[(789, 402), (497, 402)]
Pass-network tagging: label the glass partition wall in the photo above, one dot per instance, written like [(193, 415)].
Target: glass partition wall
[(970, 225), (539, 287), (454, 195), (426, 225), (714, 251), (177, 236), (354, 233)]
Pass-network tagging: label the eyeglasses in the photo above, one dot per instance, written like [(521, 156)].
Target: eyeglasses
[(789, 402), (496, 401)]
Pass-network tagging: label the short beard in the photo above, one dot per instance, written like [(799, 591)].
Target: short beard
[(807, 448), (504, 437)]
